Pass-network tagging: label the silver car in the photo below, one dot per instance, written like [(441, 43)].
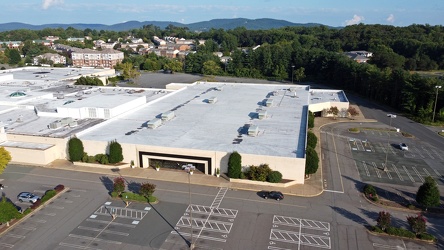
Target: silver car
[(403, 146), (28, 197)]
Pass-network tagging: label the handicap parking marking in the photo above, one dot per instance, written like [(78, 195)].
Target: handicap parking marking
[(300, 238), (208, 225), (418, 174), (376, 170), (121, 212), (222, 212), (397, 172), (303, 223), (366, 169), (408, 174)]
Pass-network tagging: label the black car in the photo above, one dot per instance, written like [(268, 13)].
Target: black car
[(273, 195)]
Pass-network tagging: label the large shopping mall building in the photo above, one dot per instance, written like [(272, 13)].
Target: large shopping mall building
[(200, 123)]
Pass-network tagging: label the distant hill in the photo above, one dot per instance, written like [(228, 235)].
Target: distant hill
[(251, 24)]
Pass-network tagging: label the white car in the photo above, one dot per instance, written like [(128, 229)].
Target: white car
[(403, 147)]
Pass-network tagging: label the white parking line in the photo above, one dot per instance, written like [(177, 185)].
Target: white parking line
[(201, 237), (26, 228), (411, 178), (77, 246), (436, 153), (425, 149), (418, 174), (383, 148), (6, 245), (397, 172), (54, 206), (419, 152), (112, 223), (101, 230), (387, 246), (48, 214), (94, 239), (387, 172), (15, 236)]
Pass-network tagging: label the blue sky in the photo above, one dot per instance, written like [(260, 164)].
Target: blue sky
[(328, 12)]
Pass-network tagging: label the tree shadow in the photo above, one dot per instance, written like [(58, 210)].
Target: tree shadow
[(107, 183), (134, 187), (349, 215)]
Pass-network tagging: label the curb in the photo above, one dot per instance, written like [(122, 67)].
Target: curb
[(400, 237), (394, 208), (34, 211)]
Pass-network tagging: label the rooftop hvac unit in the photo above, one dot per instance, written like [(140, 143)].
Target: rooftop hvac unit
[(219, 88), (212, 100), (73, 124), (262, 114), (65, 121), (253, 130), (55, 125), (167, 115), (154, 123), (268, 102)]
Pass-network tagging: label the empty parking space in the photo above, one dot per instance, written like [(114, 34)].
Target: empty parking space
[(292, 233), (108, 227), (18, 235)]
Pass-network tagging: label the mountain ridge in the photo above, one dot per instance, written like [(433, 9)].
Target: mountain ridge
[(252, 24)]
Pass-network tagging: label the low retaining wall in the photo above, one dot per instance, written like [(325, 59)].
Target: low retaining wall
[(96, 165), (263, 183)]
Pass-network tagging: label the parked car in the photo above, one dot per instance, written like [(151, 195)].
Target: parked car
[(273, 195), (28, 197), (403, 147)]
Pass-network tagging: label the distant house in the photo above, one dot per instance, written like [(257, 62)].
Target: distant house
[(47, 43), (52, 38), (76, 39), (360, 56), (12, 44), (54, 58)]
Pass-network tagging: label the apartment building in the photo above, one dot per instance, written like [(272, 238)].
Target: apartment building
[(55, 58), (107, 58)]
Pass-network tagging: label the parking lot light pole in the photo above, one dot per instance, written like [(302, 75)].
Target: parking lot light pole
[(292, 72), (191, 209), (436, 100), (386, 152)]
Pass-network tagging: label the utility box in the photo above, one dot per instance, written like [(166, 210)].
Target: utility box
[(167, 115), (268, 102), (154, 123), (262, 114), (212, 100), (253, 130)]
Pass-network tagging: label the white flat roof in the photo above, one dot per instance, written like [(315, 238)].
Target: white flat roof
[(222, 126)]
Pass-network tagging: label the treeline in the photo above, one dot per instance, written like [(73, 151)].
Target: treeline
[(306, 54)]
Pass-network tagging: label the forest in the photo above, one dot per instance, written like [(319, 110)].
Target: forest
[(406, 67)]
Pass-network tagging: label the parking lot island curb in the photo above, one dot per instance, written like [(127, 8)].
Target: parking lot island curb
[(33, 211)]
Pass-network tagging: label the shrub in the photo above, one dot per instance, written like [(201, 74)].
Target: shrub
[(8, 210), (243, 176), (369, 190), (400, 232), (311, 161), (274, 177), (115, 152), (75, 149), (114, 194), (91, 159), (417, 223), (119, 185), (147, 189), (85, 157), (48, 195), (260, 173), (428, 193), (426, 236), (59, 188), (310, 119), (234, 165), (312, 140), (101, 158), (377, 229), (384, 220), (36, 204)]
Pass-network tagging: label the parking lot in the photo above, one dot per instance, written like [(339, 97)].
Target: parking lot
[(379, 158)]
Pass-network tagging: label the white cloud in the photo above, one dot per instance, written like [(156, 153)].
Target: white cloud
[(48, 3), (391, 18), (355, 20)]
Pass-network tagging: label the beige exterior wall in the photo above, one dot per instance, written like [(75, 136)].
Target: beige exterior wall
[(58, 151), (32, 156), (326, 105), (291, 168)]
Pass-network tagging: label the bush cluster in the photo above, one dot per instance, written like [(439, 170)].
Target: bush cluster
[(370, 192), (48, 195), (59, 188), (262, 172), (76, 153), (400, 232)]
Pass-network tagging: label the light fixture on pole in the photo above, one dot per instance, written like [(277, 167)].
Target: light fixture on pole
[(436, 100), (386, 152), (189, 169), (292, 71)]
